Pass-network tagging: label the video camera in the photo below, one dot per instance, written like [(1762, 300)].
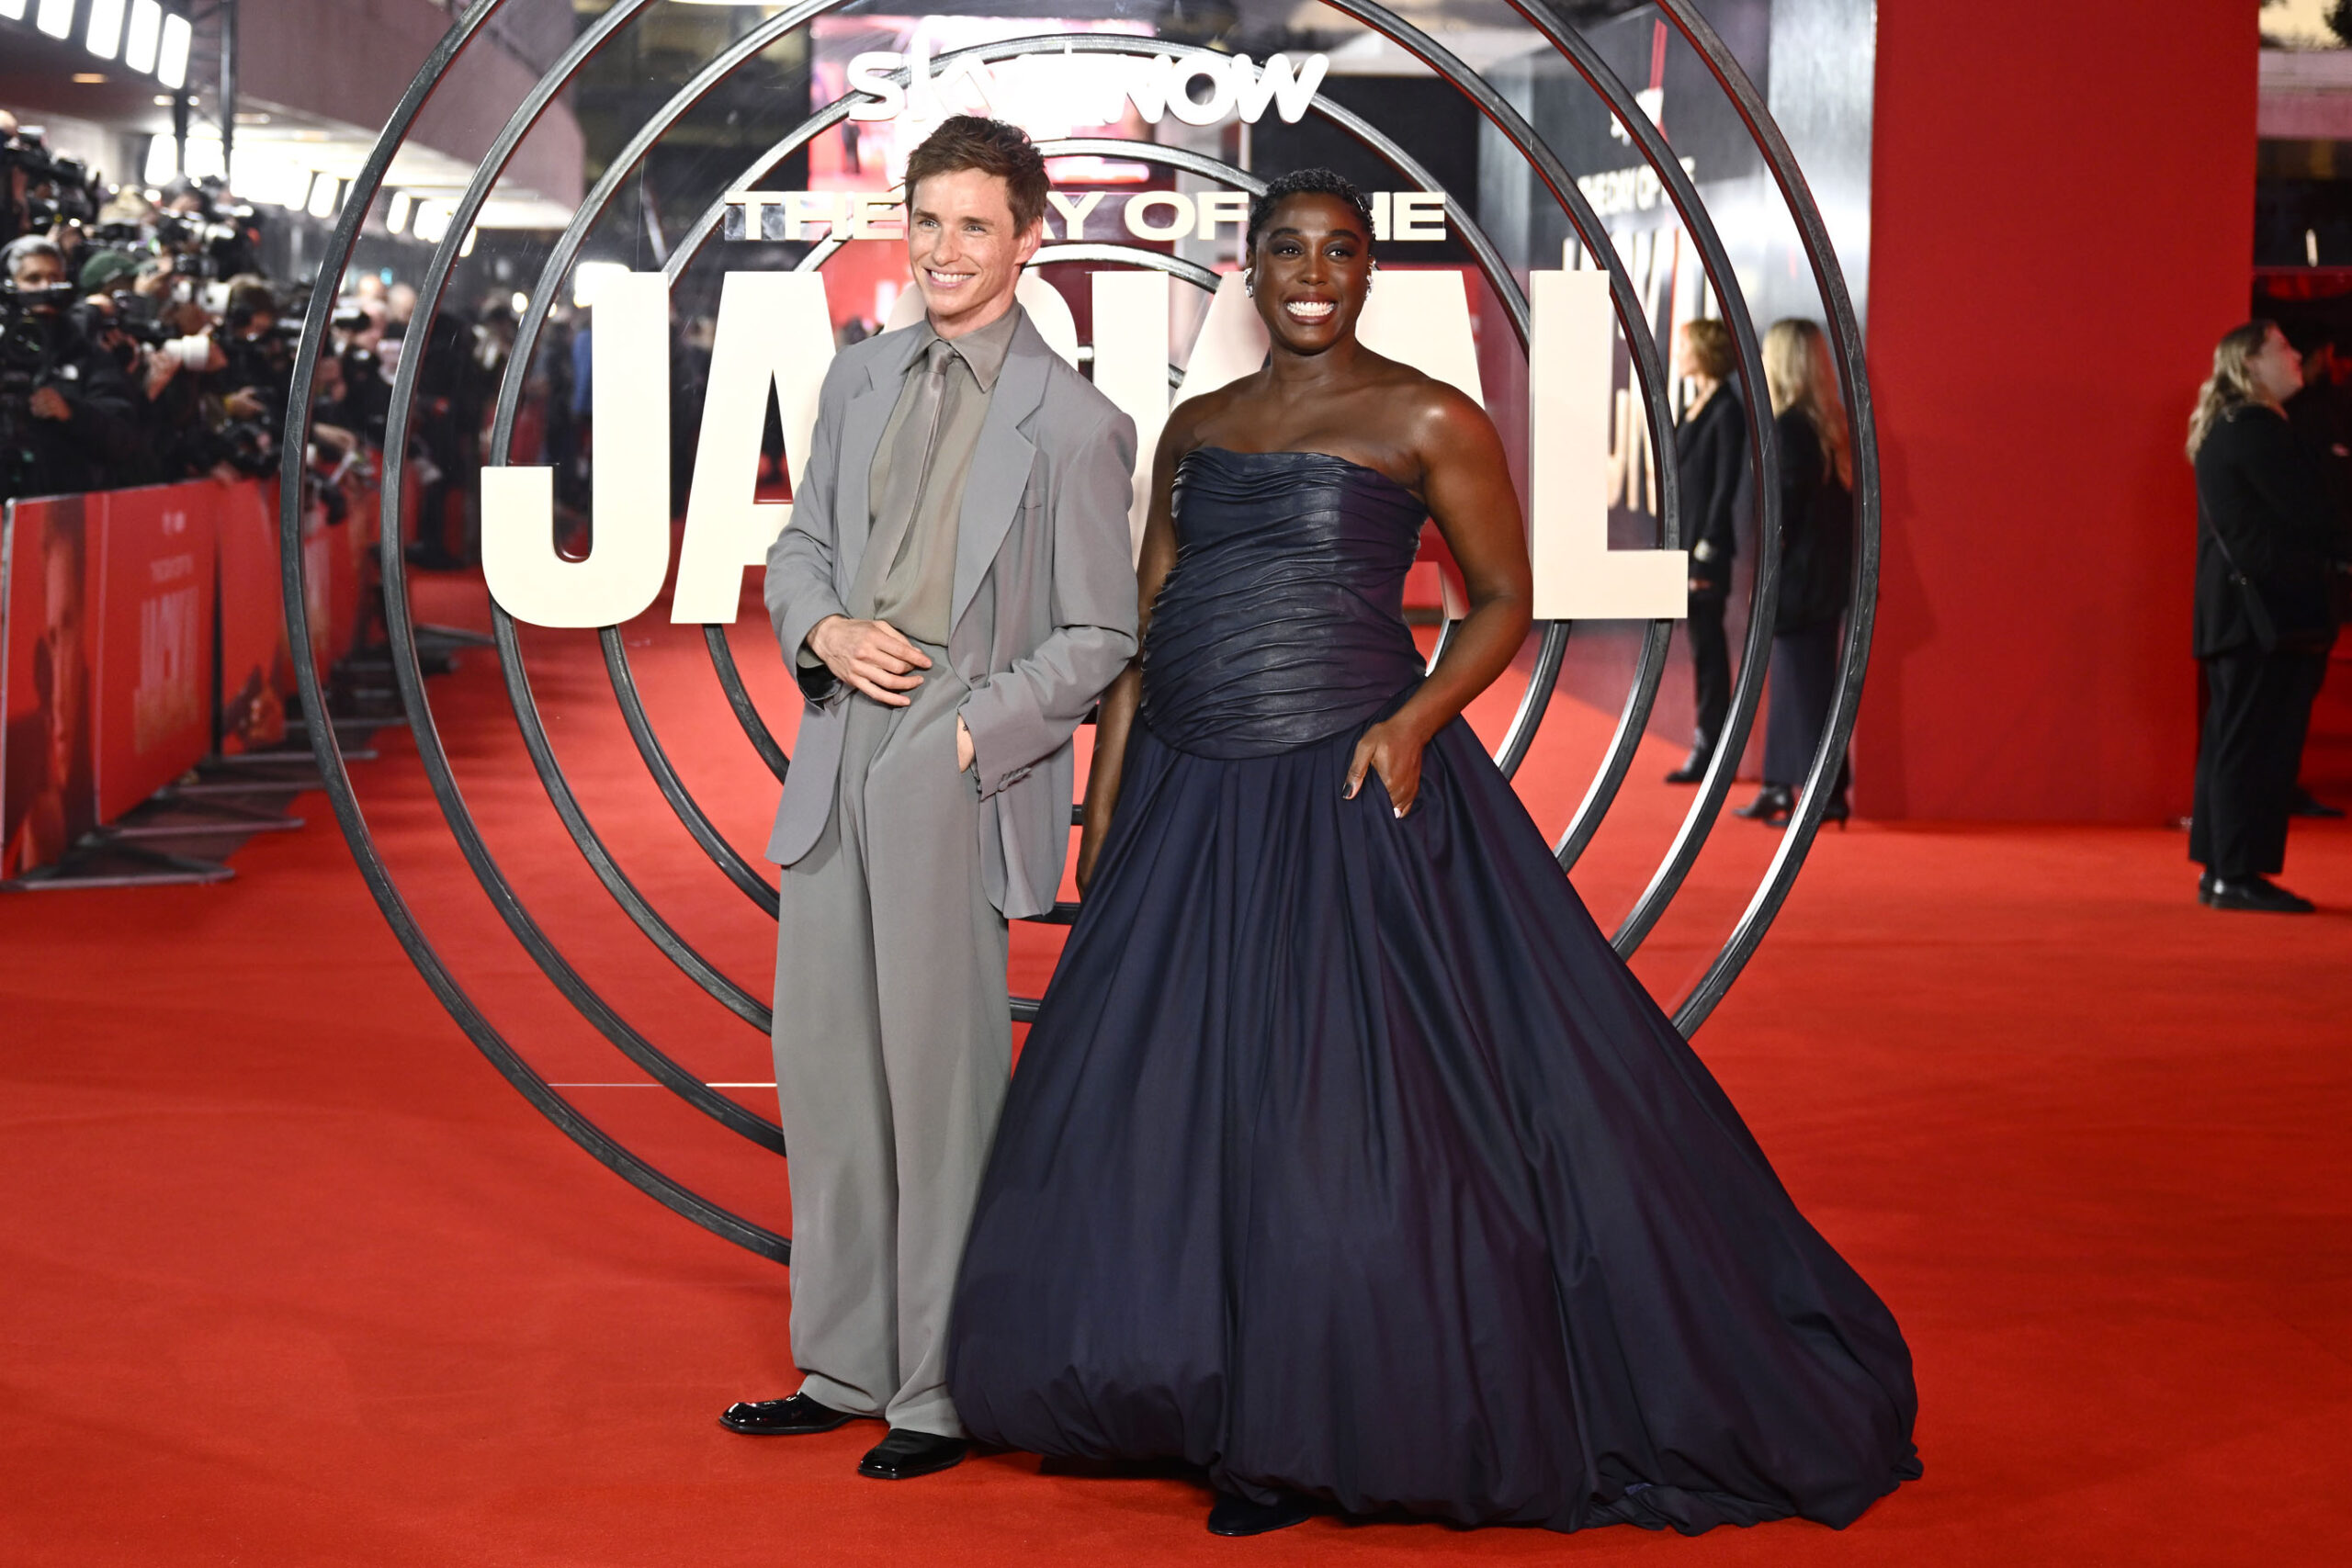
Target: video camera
[(220, 239), (40, 188), (27, 348)]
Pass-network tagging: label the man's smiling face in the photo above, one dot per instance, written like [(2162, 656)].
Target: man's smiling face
[(964, 250)]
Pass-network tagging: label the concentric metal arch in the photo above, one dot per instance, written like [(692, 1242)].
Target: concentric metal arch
[(562, 256), (1845, 336)]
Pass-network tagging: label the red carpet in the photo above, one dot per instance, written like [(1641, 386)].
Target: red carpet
[(288, 1276)]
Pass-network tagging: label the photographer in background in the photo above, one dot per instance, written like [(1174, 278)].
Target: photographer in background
[(125, 314), (68, 420)]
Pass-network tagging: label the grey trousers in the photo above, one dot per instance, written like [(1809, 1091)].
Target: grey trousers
[(893, 1051)]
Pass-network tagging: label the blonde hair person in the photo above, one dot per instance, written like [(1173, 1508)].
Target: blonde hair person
[(1816, 461), (2266, 546), (1709, 452), (1800, 375), (2238, 379)]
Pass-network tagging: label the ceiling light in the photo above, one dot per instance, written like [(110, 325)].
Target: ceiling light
[(88, 78), (13, 10), (396, 214), (322, 194), (171, 66), (55, 18), (104, 36), (146, 31)]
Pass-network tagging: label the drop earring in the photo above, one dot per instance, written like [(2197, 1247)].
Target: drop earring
[(1250, 283)]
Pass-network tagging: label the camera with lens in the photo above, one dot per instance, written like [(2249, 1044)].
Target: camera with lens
[(220, 239), (40, 189), (27, 353)]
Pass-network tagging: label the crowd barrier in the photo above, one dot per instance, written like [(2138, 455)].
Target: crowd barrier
[(144, 630)]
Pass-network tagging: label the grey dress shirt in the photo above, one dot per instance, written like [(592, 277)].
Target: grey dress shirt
[(907, 574)]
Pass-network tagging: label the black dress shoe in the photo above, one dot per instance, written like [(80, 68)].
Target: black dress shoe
[(798, 1416), (1837, 811), (2309, 804), (905, 1454), (1237, 1516), (2258, 894), (1695, 766), (1772, 806)]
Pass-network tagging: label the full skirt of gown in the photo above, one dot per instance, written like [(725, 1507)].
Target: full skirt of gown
[(1347, 1158)]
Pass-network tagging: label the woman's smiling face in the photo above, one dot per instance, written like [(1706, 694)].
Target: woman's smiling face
[(1311, 269)]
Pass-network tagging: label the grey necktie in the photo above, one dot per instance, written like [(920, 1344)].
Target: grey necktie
[(902, 491)]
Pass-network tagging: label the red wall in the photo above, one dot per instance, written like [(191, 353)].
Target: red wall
[(2061, 225)]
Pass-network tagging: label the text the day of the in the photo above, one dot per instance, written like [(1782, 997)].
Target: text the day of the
[(1153, 215)]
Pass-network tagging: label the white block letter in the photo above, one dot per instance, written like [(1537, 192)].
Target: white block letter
[(1074, 211), (870, 74), (623, 571), (772, 332), (1180, 222), (1578, 576)]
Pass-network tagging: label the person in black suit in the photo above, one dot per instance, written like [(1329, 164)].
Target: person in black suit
[(2267, 545), (1817, 565), (2321, 417), (1711, 444)]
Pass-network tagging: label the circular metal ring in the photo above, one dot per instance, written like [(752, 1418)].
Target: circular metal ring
[(1649, 371)]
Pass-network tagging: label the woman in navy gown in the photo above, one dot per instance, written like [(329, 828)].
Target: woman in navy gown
[(1346, 1161)]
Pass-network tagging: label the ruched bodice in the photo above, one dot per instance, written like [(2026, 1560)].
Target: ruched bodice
[(1283, 622)]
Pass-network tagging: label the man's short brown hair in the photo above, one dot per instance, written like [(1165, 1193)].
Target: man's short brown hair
[(972, 141)]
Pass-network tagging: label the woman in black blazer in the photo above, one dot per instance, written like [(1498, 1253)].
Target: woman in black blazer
[(1709, 446), (1817, 565), (2267, 548)]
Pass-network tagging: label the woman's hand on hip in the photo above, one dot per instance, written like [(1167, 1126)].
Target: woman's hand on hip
[(1393, 751)]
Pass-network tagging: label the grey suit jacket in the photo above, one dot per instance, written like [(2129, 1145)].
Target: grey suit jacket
[(1044, 614)]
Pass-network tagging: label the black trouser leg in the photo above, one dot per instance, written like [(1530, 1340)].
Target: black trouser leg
[(2261, 705), (1709, 670), (1803, 684)]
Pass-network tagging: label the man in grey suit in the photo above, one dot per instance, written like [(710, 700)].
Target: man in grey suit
[(954, 592)]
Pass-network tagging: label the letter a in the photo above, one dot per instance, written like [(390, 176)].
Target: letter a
[(622, 574), (772, 332)]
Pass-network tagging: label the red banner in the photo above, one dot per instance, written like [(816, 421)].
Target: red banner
[(256, 667), (154, 654), (49, 594), (107, 605)]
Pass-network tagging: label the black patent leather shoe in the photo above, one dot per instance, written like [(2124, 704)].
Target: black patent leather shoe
[(798, 1416), (1695, 766), (1238, 1515), (904, 1454), (2256, 893), (1772, 805)]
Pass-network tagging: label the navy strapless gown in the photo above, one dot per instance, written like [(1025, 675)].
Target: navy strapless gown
[(1345, 1156)]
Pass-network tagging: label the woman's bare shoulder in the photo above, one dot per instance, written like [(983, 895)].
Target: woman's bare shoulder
[(1189, 420)]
